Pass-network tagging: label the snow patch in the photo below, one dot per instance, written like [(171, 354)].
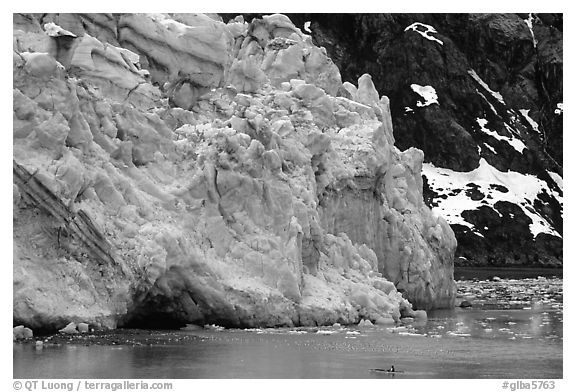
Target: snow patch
[(490, 147), (477, 78), (488, 102), (426, 92), (511, 130), (559, 108), (523, 189), (533, 123), (557, 179), (518, 145), (426, 33), (529, 23)]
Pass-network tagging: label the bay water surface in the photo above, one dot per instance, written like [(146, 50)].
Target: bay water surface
[(514, 329)]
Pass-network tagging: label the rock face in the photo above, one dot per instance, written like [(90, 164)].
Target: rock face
[(479, 94), (173, 169)]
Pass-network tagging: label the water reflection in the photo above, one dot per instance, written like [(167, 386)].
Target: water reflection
[(495, 324)]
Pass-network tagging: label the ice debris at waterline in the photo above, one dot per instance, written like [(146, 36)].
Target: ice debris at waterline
[(73, 328), (504, 309), (190, 171), (528, 293), (21, 332)]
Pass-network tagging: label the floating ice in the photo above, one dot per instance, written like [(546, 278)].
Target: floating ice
[(253, 330), (326, 332), (397, 329), (459, 334), (296, 332), (410, 334), (365, 323), (214, 327), (307, 27)]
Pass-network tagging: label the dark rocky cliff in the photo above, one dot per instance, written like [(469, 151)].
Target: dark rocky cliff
[(498, 82)]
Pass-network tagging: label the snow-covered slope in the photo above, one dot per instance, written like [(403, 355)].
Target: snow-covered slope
[(484, 187)]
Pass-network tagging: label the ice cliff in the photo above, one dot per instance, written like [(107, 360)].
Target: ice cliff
[(177, 169)]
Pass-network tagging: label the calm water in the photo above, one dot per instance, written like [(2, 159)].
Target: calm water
[(513, 330)]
